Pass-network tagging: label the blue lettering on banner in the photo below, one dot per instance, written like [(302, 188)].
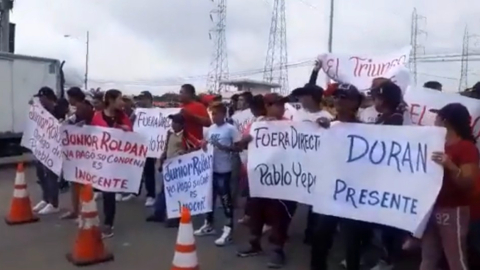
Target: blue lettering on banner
[(389, 153), (194, 206), (374, 198), (186, 186), (286, 139), (279, 175), (196, 166)]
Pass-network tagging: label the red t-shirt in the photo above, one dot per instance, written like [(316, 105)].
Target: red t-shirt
[(192, 128), (462, 152)]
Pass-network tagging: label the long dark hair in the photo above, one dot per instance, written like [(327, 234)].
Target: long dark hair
[(110, 95), (463, 129)]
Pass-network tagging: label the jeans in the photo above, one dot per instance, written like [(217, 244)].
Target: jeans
[(474, 244), (222, 189), (48, 181), (149, 178), (109, 208)]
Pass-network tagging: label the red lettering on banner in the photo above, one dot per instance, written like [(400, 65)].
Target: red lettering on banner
[(417, 111), (105, 143), (100, 181), (475, 124), (332, 63), (366, 67)]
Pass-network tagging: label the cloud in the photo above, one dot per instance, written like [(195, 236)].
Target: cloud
[(136, 45)]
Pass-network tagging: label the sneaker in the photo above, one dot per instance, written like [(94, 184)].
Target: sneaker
[(382, 265), (69, 215), (154, 218), (97, 195), (276, 260), (250, 251), (39, 206), (49, 209), (244, 220), (206, 229), (118, 197), (225, 238), (266, 228), (107, 232), (149, 202), (127, 198)]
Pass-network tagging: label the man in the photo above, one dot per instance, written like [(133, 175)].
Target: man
[(433, 85), (310, 96), (195, 114)]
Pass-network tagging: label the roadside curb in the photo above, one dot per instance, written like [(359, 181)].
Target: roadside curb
[(25, 158)]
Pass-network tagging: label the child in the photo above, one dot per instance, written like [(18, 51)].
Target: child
[(177, 144), (222, 136)]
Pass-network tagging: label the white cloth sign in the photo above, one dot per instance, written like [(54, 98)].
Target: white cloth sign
[(109, 159), (290, 111), (287, 167), (42, 136), (242, 119), (380, 174), (421, 100), (360, 70), (187, 181), (154, 124)]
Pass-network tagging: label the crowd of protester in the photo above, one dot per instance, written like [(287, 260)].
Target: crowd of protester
[(452, 236)]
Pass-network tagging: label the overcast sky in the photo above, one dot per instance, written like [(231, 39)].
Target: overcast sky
[(138, 44)]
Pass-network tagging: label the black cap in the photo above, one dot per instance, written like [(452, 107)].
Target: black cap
[(453, 113), (274, 98), (146, 94), (348, 91), (388, 91), (46, 92), (177, 118), (315, 91)]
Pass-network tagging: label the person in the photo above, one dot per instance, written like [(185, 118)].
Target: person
[(279, 213), (433, 85), (145, 100), (111, 116), (129, 107), (446, 231), (223, 137), (195, 114), (48, 180), (177, 143), (244, 100), (97, 101), (75, 96), (232, 108), (82, 116), (347, 102)]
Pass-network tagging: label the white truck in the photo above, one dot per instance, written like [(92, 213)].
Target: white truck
[(21, 77)]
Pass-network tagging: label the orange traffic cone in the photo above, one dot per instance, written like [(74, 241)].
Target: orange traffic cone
[(20, 208), (89, 248), (185, 257)]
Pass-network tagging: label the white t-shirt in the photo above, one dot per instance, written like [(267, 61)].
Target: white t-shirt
[(303, 115), (368, 115), (225, 135)]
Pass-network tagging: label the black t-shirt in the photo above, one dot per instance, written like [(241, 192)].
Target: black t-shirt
[(395, 119), (109, 119)]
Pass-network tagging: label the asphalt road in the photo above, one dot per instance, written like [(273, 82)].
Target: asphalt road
[(136, 244)]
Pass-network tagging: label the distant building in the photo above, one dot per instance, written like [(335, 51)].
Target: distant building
[(247, 85)]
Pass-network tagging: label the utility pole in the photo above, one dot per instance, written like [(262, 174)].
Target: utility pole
[(277, 57), (416, 32), (5, 8), (87, 57), (464, 69), (219, 62), (330, 27)]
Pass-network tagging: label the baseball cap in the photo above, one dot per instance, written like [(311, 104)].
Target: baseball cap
[(453, 113), (388, 91), (274, 98), (46, 92), (347, 91), (315, 91), (177, 118), (146, 94)]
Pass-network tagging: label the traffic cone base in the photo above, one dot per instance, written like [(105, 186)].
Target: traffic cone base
[(108, 257), (20, 207)]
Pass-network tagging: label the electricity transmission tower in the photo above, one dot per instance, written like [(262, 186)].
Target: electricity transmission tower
[(5, 27), (415, 33), (276, 70), (467, 39), (219, 62)]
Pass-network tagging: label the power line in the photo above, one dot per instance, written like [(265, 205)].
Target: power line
[(465, 59), (416, 32), (219, 62)]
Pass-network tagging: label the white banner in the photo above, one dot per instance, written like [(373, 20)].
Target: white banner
[(110, 159), (360, 70), (380, 174), (282, 160), (242, 119), (154, 124), (187, 181), (421, 100), (42, 136)]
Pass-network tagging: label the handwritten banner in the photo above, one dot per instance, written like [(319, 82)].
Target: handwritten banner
[(360, 70), (242, 119), (188, 182), (422, 100), (42, 136), (287, 167), (110, 159), (379, 174), (154, 124)]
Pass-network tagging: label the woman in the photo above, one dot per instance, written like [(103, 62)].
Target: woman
[(446, 232), (111, 116)]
